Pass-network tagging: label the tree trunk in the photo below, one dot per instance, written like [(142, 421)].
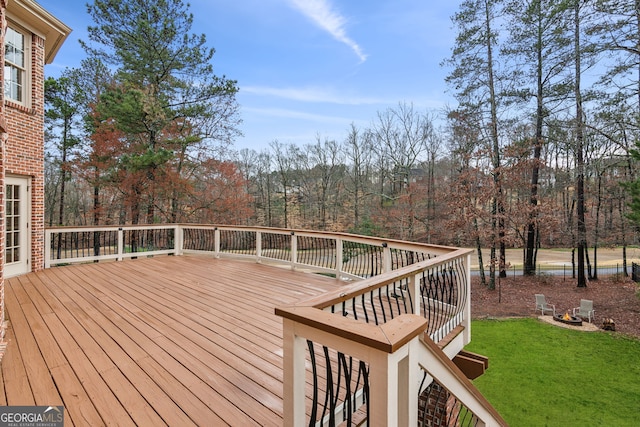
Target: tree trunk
[(529, 262), (582, 229), (96, 214), (63, 181), (596, 229), (269, 212), (623, 231), (483, 280), (497, 223)]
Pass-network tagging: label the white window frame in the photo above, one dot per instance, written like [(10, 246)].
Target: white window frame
[(24, 69), (21, 244)]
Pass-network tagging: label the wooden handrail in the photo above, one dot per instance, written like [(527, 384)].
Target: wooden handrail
[(388, 337), (400, 244), (363, 286)]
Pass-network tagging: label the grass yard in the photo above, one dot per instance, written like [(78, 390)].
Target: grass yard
[(543, 375)]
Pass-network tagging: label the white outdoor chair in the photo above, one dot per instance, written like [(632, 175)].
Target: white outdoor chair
[(585, 310), (541, 304)]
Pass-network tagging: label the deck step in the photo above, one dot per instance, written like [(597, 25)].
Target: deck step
[(471, 364)]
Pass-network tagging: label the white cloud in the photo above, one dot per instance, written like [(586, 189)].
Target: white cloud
[(321, 13), (310, 94), (284, 113)]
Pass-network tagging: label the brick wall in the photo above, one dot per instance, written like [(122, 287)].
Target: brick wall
[(22, 153), (437, 407), (25, 148), (3, 138)]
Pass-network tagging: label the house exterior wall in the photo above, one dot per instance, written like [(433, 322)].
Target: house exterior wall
[(3, 140), (22, 127), (24, 149)]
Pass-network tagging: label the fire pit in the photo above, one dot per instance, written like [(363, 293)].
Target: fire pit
[(567, 319)]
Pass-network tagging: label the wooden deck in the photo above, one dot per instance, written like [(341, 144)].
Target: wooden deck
[(160, 341)]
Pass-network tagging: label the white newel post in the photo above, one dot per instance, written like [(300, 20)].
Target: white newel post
[(47, 248), (339, 251), (467, 309), (413, 287), (120, 243), (216, 242), (258, 246), (383, 401), (178, 240), (413, 380), (294, 376), (294, 250), (394, 383), (386, 258), (394, 372)]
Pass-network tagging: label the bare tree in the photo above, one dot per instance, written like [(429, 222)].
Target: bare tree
[(327, 159), (357, 149), (264, 182), (284, 156), (402, 135)]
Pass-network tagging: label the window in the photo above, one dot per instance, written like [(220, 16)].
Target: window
[(14, 66), (12, 250)]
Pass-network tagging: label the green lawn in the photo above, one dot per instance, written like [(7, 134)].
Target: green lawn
[(543, 375)]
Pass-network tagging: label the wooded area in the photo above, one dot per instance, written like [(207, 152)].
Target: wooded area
[(541, 150)]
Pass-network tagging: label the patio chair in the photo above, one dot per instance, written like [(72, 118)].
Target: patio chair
[(585, 311), (541, 304)]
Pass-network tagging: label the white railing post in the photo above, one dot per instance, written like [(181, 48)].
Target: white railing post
[(294, 378), (294, 250), (467, 309), (413, 380), (394, 383), (383, 391), (216, 242), (120, 243), (413, 287), (386, 258), (47, 248), (409, 379), (339, 249), (178, 242), (258, 246)]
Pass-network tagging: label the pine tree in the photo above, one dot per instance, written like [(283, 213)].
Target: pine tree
[(475, 78), (539, 45), (165, 85)]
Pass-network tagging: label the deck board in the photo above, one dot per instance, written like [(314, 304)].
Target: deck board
[(170, 340)]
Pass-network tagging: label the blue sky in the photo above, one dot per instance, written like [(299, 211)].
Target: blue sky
[(311, 67)]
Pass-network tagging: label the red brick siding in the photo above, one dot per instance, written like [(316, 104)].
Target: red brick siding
[(437, 407), (3, 8), (25, 148), (22, 153), (2, 230)]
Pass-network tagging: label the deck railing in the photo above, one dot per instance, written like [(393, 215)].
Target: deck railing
[(68, 245), (442, 296), (371, 345), (388, 371), (343, 255)]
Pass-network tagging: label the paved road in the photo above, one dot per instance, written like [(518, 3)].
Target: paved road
[(561, 258)]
